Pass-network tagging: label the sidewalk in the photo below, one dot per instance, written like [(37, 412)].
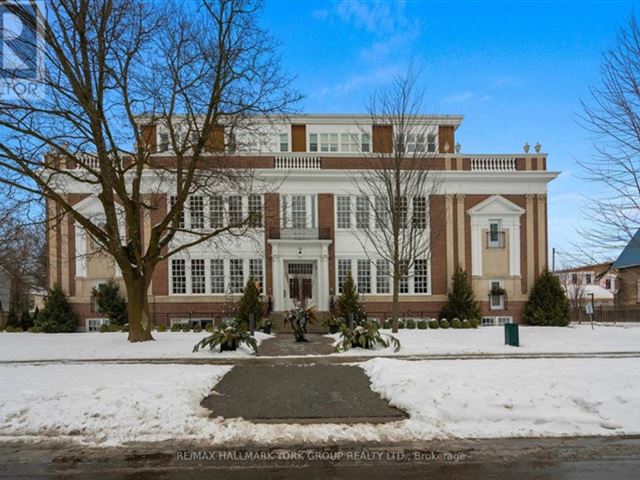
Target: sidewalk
[(299, 394), (320, 359), (283, 345)]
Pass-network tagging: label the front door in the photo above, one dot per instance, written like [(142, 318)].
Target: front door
[(300, 283)]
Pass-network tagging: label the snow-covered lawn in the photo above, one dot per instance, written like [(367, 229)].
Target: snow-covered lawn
[(573, 339), (114, 346), (112, 404), (84, 346), (503, 398)]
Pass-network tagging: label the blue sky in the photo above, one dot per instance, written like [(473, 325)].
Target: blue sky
[(515, 70)]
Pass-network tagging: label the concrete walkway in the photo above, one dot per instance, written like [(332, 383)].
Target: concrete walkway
[(299, 394), (283, 344), (312, 359)]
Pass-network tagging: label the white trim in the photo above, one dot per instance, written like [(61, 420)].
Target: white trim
[(508, 213)]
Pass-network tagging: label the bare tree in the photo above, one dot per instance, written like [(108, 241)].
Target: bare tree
[(22, 255), (574, 284), (612, 115), (118, 73), (396, 185)]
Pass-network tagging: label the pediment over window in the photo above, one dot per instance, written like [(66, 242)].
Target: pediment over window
[(91, 208), (496, 205)]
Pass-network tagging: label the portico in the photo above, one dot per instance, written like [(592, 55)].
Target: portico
[(300, 271)]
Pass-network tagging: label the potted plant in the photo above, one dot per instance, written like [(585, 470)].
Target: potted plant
[(366, 335), (497, 290), (334, 324), (266, 325), (299, 317), (229, 338)]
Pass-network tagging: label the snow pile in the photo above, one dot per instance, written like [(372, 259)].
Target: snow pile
[(113, 404), (505, 398), (111, 346), (573, 339)]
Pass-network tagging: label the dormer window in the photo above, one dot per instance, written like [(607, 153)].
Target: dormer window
[(163, 145)]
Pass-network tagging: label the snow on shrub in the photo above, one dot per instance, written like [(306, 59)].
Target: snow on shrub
[(366, 335)]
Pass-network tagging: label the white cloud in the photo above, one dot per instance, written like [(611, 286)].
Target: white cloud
[(390, 30), (466, 96), (352, 83)]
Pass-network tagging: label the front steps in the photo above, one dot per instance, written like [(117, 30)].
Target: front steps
[(279, 325)]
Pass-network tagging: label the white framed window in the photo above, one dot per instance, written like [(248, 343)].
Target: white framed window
[(196, 212), (364, 276), (343, 211), (415, 143), (419, 212), (402, 211), (255, 210), (383, 279), (283, 142), (255, 271), (178, 276), (173, 200), (216, 211), (198, 282), (217, 275), (421, 276), (497, 301), (178, 321), (362, 212), (404, 279), (235, 210), (366, 142), (344, 267), (236, 275), (495, 236), (431, 142), (382, 213), (313, 142), (607, 284), (163, 144), (488, 321), (495, 321), (328, 142), (588, 279), (94, 324), (350, 142), (298, 211)]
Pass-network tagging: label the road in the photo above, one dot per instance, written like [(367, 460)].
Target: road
[(564, 458)]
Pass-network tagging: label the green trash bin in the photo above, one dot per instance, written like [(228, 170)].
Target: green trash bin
[(511, 336)]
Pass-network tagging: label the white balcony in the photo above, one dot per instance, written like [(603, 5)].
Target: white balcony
[(493, 164), (297, 162)]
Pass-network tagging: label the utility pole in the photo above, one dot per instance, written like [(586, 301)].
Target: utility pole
[(553, 259)]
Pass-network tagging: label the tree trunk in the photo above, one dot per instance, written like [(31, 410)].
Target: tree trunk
[(138, 311), (395, 306)]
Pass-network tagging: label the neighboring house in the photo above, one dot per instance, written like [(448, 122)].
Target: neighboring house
[(627, 267), (580, 283), (490, 215)]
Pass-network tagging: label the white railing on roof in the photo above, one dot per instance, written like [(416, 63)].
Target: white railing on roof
[(297, 163), (87, 160), (493, 164)]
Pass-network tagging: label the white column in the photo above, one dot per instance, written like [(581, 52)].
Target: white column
[(276, 280), (476, 250), (514, 250), (323, 279), (81, 252)]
